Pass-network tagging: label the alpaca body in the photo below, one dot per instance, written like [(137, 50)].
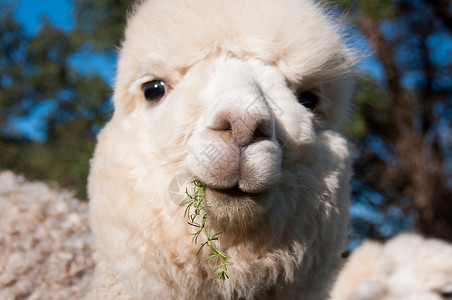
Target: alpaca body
[(407, 267)]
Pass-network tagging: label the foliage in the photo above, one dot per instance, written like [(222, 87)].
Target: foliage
[(402, 181), (193, 213), (101, 22), (379, 9), (369, 96), (36, 72)]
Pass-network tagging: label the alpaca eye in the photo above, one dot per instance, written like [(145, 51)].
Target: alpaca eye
[(154, 90), (446, 294), (308, 100)]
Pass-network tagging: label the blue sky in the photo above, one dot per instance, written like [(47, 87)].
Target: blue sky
[(29, 13)]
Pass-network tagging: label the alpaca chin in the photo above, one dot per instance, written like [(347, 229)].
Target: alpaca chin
[(233, 211)]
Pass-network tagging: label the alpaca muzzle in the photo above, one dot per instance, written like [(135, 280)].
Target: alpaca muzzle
[(236, 147)]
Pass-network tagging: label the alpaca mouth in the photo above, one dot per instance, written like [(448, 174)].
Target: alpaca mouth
[(228, 194), (234, 193)]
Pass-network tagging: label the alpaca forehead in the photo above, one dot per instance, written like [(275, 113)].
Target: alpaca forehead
[(293, 35)]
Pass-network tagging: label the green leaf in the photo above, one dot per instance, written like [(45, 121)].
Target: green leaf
[(223, 254), (212, 256), (196, 203)]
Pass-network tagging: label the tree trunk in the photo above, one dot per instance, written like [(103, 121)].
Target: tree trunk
[(420, 161)]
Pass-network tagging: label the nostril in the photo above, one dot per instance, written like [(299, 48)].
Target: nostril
[(251, 130), (221, 122)]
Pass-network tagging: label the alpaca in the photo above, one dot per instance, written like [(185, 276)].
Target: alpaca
[(407, 267), (247, 97)]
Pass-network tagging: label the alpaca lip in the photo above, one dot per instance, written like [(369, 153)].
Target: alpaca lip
[(234, 192), (231, 192)]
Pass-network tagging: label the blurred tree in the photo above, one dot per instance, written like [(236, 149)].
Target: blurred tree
[(35, 72), (12, 57), (101, 22), (404, 166)]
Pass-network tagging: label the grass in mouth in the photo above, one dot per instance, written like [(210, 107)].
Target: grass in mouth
[(198, 219)]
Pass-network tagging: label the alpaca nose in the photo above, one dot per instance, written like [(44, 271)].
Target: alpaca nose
[(244, 126)]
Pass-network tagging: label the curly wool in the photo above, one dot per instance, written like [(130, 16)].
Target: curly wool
[(45, 242)]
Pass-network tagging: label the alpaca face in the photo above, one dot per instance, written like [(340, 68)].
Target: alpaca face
[(230, 110), (245, 96), (237, 125)]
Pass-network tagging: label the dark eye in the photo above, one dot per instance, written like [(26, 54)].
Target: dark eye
[(308, 99), (154, 90), (446, 294)]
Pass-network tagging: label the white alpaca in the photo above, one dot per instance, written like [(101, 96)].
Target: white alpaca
[(408, 267), (247, 97)]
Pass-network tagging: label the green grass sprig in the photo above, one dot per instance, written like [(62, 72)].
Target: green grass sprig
[(198, 219)]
